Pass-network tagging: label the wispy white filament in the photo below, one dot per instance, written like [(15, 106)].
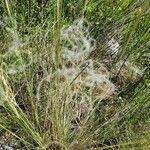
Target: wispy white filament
[(77, 44)]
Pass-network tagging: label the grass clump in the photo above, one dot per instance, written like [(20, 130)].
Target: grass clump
[(75, 75)]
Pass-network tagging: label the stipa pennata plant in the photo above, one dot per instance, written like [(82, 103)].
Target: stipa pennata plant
[(72, 108), (125, 68), (83, 84), (128, 71), (86, 77), (113, 46), (76, 48), (19, 58), (69, 104), (76, 41)]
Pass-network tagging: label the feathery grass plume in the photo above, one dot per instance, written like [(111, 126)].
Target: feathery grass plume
[(79, 73), (5, 90), (15, 40), (76, 42), (128, 71), (76, 48), (125, 69), (19, 59), (113, 46)]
